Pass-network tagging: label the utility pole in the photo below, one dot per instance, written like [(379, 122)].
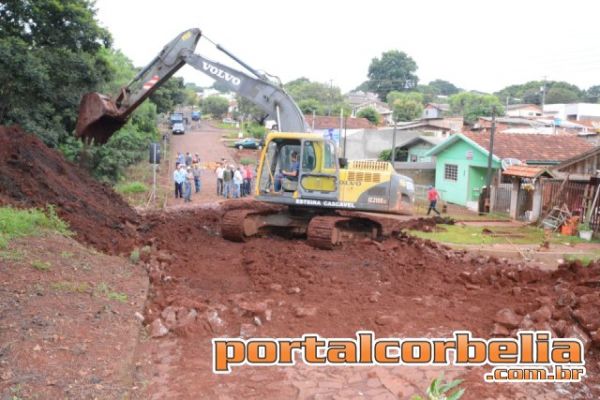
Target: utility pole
[(491, 154), (544, 94), (330, 97), (393, 156)]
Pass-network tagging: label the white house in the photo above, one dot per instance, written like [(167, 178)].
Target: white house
[(574, 112), (523, 110)]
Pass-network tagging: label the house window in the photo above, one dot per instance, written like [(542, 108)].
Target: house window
[(451, 172)]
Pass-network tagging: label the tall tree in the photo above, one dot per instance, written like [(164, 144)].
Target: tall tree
[(592, 94), (395, 70), (472, 106), (531, 92), (444, 87), (171, 93), (50, 54), (215, 105)]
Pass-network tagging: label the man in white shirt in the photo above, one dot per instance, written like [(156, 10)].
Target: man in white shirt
[(219, 172)]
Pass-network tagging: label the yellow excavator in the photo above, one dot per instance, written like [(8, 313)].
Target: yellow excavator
[(323, 197)]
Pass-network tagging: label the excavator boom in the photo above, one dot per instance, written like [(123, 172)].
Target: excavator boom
[(101, 116)]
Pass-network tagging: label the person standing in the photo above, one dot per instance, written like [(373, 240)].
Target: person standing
[(248, 175), (197, 174), (227, 181), (180, 158), (219, 173), (433, 196), (188, 159), (187, 184), (238, 180), (178, 178)]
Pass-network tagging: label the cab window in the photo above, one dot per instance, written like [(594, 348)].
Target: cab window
[(308, 157)]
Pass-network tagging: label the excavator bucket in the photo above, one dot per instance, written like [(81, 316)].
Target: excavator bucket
[(99, 118)]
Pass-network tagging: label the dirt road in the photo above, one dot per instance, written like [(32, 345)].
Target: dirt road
[(205, 140)]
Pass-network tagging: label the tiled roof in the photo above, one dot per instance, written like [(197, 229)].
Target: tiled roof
[(532, 147), (325, 122), (525, 171)]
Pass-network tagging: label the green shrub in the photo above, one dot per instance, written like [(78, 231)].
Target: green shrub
[(131, 187), (41, 265), (247, 161), (16, 223), (134, 257), (255, 130)]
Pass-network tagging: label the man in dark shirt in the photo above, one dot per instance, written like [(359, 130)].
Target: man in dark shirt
[(292, 174)]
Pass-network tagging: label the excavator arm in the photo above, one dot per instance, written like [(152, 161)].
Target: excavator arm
[(101, 116)]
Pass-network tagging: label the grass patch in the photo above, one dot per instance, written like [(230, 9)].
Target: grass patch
[(70, 287), (247, 161), (41, 265), (102, 289), (16, 223), (66, 254), (12, 255), (134, 257), (458, 234), (131, 187), (585, 259)]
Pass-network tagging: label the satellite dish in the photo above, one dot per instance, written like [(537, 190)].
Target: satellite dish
[(507, 162)]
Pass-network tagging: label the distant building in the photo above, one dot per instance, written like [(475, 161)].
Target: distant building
[(573, 112), (523, 110), (435, 110), (461, 160), (412, 159), (334, 129)]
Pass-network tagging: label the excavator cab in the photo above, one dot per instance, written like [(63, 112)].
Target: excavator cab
[(318, 172)]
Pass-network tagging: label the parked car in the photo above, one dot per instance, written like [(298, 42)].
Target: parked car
[(178, 128), (175, 118), (248, 143)]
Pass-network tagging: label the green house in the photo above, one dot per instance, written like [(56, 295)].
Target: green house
[(461, 160), (461, 169)]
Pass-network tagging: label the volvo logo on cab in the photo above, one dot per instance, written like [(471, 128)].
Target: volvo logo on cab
[(221, 74)]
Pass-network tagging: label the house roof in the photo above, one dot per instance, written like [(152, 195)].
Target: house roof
[(456, 138), (548, 149), (593, 152), (434, 141), (526, 171), (325, 122), (526, 147), (422, 124), (439, 106), (519, 106)]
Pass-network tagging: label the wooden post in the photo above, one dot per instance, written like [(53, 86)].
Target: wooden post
[(514, 196)]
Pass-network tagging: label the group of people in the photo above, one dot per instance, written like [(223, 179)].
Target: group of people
[(232, 181), (187, 171)]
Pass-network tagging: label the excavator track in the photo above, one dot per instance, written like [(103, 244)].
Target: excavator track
[(238, 225), (323, 232)]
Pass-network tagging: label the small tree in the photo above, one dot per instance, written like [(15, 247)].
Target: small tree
[(371, 114), (472, 105), (308, 106), (406, 110), (215, 105)]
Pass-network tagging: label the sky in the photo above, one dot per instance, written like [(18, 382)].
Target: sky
[(476, 45)]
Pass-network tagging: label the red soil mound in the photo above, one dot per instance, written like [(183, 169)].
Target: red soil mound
[(33, 175)]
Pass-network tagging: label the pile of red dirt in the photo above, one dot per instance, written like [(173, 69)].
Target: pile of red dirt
[(204, 286), (33, 175)]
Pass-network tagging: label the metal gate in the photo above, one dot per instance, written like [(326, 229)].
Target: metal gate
[(502, 198)]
